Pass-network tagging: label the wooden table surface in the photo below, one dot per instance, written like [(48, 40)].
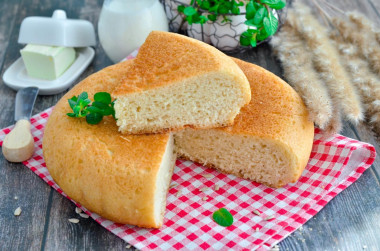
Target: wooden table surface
[(351, 221)]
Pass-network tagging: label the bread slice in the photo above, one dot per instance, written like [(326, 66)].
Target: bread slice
[(177, 82), (270, 141), (124, 178)]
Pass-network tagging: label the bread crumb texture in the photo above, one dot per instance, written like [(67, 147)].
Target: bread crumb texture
[(270, 141)]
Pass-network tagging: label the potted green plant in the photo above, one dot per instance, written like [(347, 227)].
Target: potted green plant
[(226, 24)]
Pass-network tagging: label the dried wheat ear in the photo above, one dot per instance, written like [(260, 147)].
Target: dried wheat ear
[(300, 73), (362, 73), (326, 74)]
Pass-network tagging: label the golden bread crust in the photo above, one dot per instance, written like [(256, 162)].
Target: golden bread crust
[(276, 111), (166, 58), (108, 173)]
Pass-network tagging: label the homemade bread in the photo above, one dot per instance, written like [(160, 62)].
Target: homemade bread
[(124, 178), (270, 141), (177, 82)]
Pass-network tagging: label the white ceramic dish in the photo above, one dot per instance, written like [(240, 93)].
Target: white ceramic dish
[(16, 76)]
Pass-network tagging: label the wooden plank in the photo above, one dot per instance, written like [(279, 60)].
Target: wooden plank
[(85, 235), (25, 231), (9, 10)]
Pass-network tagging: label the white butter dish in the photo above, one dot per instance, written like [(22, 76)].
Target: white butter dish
[(57, 30), (16, 76)]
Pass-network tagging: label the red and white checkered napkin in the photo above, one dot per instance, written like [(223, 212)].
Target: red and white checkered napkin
[(335, 163)]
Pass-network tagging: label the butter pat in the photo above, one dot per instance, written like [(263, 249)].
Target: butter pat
[(47, 62)]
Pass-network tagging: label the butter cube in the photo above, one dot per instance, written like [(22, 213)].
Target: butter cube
[(47, 62)]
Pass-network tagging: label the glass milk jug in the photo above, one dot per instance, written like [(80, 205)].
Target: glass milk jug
[(124, 25)]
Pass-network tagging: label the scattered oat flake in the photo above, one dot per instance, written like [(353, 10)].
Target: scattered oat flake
[(270, 217), (178, 193), (16, 198), (216, 187), (275, 248), (204, 189), (257, 229), (257, 212), (365, 247), (17, 212), (78, 210), (83, 215), (207, 176), (128, 246), (173, 185), (204, 198), (73, 220), (126, 139)]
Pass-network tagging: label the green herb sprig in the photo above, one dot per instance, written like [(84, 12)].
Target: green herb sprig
[(223, 217), (260, 19), (92, 111)]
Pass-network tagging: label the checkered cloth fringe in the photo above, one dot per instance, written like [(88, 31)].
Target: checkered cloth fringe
[(335, 163)]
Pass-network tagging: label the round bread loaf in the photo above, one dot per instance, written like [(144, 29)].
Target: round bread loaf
[(271, 138), (124, 178)]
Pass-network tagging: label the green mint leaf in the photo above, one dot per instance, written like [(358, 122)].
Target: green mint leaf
[(99, 105), (103, 97), (212, 17), (83, 102), (259, 16), (250, 10), (261, 35), (270, 2), (223, 9), (235, 11), (181, 8), (214, 8), (83, 95), (270, 24), (189, 20), (281, 4), (73, 115), (253, 41), (94, 118), (205, 5), (267, 26), (93, 109), (74, 98), (250, 22), (77, 110), (244, 40), (108, 111), (223, 217), (202, 19), (72, 103), (189, 11)]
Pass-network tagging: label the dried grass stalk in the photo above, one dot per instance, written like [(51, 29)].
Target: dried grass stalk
[(299, 71), (365, 41), (327, 63), (365, 24), (365, 80)]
